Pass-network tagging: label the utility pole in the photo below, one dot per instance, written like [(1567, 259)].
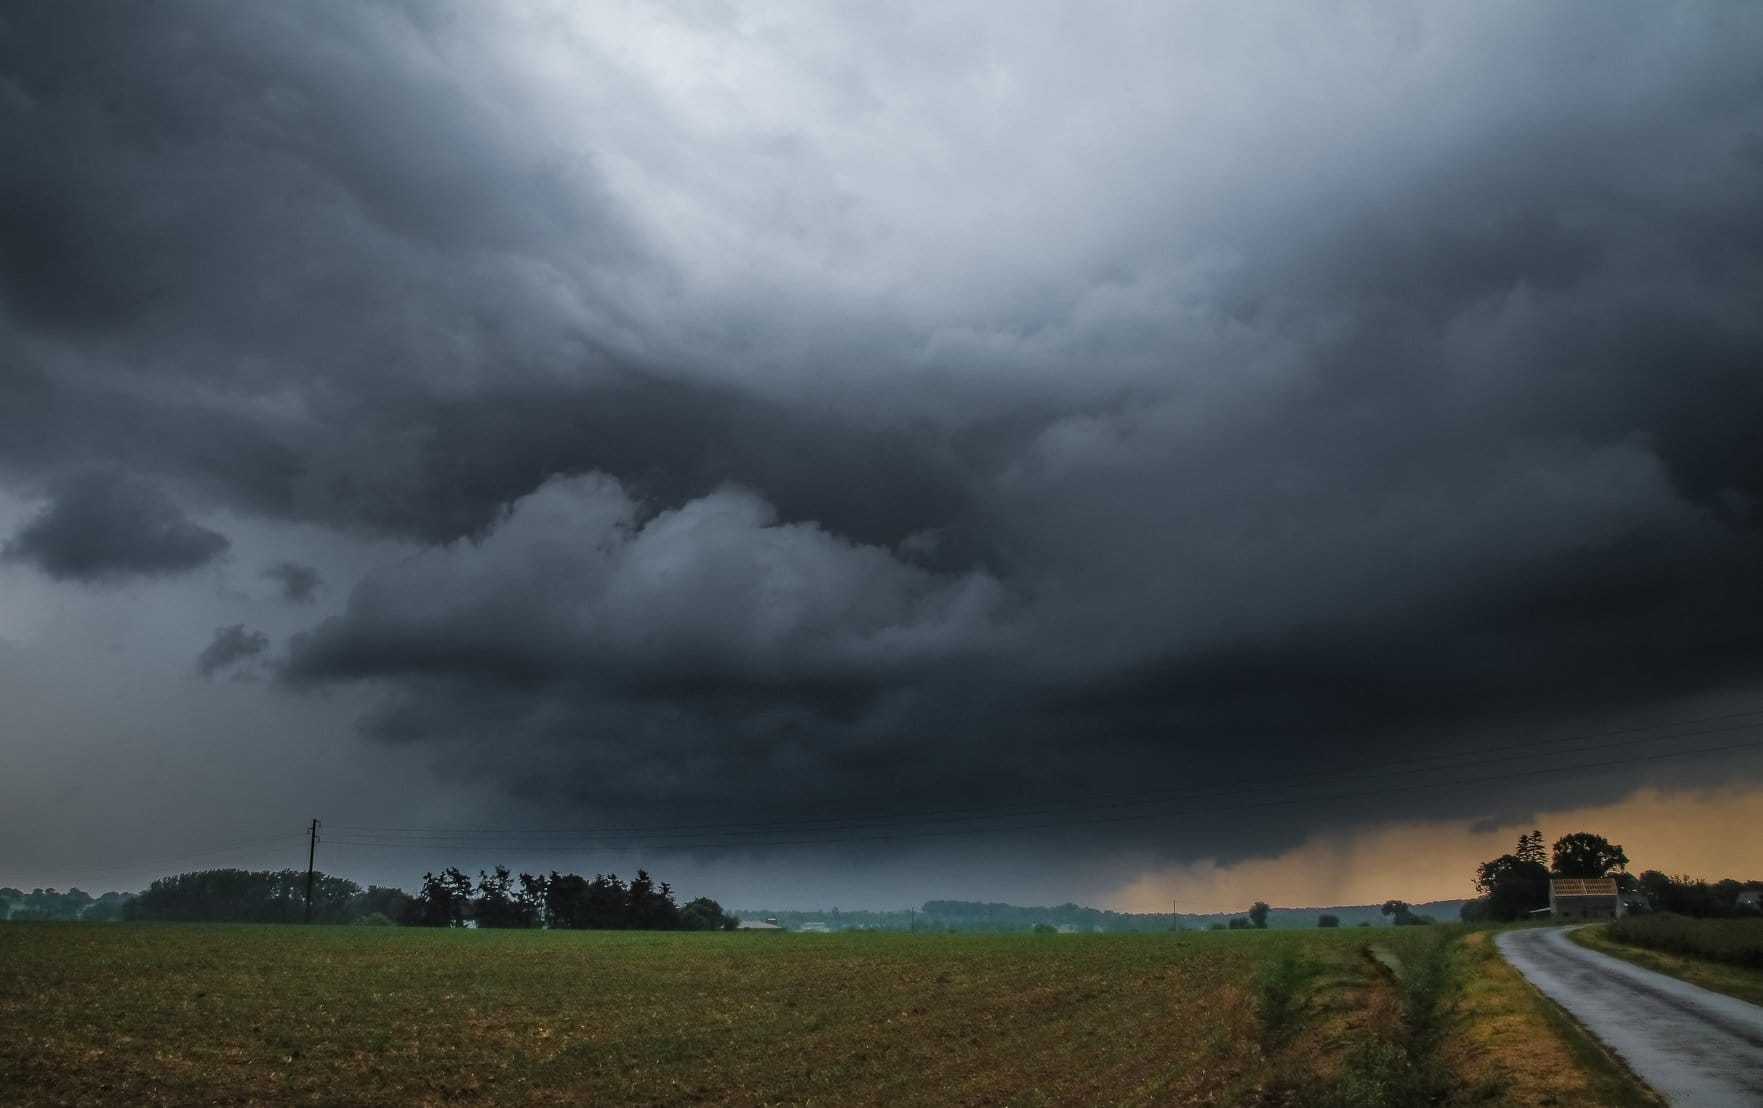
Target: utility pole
[(311, 853)]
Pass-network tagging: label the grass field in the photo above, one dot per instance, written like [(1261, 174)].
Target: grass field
[(175, 1014), (1725, 955)]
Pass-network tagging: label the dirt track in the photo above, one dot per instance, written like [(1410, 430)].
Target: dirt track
[(1693, 1046)]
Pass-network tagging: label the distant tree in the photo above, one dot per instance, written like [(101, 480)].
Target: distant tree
[(1215, 926), (1530, 848), (497, 904), (444, 901), (48, 904), (1326, 920), (108, 908), (1688, 896), (1404, 915), (244, 896), (1045, 929), (1583, 854), (566, 901), (704, 914), (606, 904), (1258, 914), (651, 905), (1240, 924), (374, 919), (1514, 884), (392, 903), (531, 899)]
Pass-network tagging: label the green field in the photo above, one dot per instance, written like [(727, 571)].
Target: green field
[(1725, 955), (177, 1014)]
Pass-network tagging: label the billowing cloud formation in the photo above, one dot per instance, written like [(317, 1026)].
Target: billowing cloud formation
[(230, 646), (729, 640), (298, 582), (924, 407), (101, 525)]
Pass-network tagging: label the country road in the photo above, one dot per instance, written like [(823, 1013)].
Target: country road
[(1691, 1045)]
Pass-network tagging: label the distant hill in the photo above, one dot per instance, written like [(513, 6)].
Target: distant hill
[(967, 915)]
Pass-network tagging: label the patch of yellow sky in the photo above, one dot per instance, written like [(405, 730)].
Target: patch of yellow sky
[(1704, 833)]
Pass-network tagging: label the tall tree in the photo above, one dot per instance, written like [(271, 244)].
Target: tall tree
[(1583, 854), (1258, 913), (496, 903), (444, 900), (607, 903), (651, 905), (1511, 887)]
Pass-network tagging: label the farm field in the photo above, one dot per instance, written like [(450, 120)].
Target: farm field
[(1724, 955), (174, 1014)]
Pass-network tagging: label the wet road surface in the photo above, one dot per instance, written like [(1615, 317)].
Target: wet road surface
[(1691, 1045)]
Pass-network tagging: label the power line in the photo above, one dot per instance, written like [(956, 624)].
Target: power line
[(184, 858)]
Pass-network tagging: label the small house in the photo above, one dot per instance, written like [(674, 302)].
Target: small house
[(1584, 898)]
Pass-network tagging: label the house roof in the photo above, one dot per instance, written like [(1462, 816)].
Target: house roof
[(1582, 886)]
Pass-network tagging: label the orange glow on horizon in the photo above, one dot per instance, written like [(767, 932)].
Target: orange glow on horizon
[(1705, 833)]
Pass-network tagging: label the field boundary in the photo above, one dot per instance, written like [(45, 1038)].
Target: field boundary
[(1704, 973)]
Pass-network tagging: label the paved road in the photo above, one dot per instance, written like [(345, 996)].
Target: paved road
[(1693, 1046)]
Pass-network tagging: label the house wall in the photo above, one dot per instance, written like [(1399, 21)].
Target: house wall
[(1575, 907)]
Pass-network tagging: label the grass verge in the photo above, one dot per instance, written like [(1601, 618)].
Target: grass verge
[(1512, 1045)]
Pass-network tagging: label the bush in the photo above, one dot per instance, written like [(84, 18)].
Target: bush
[(1045, 929), (374, 919)]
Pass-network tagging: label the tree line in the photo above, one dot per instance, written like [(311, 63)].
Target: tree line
[(262, 896), (450, 898), (1514, 885), (48, 904), (561, 901)]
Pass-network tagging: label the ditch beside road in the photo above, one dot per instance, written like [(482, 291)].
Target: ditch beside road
[(1693, 1046)]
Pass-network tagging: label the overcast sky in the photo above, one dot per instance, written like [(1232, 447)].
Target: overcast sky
[(847, 454)]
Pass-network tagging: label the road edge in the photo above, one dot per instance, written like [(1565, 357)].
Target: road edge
[(1579, 1039)]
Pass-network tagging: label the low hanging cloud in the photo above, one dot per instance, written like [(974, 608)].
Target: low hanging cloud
[(650, 650), (104, 525), (230, 646)]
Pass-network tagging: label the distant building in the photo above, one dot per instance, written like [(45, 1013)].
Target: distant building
[(816, 926), (1749, 901), (769, 923), (1584, 898)]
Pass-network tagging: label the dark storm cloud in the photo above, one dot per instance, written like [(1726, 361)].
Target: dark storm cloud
[(103, 525), (230, 646), (298, 582), (1009, 423)]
